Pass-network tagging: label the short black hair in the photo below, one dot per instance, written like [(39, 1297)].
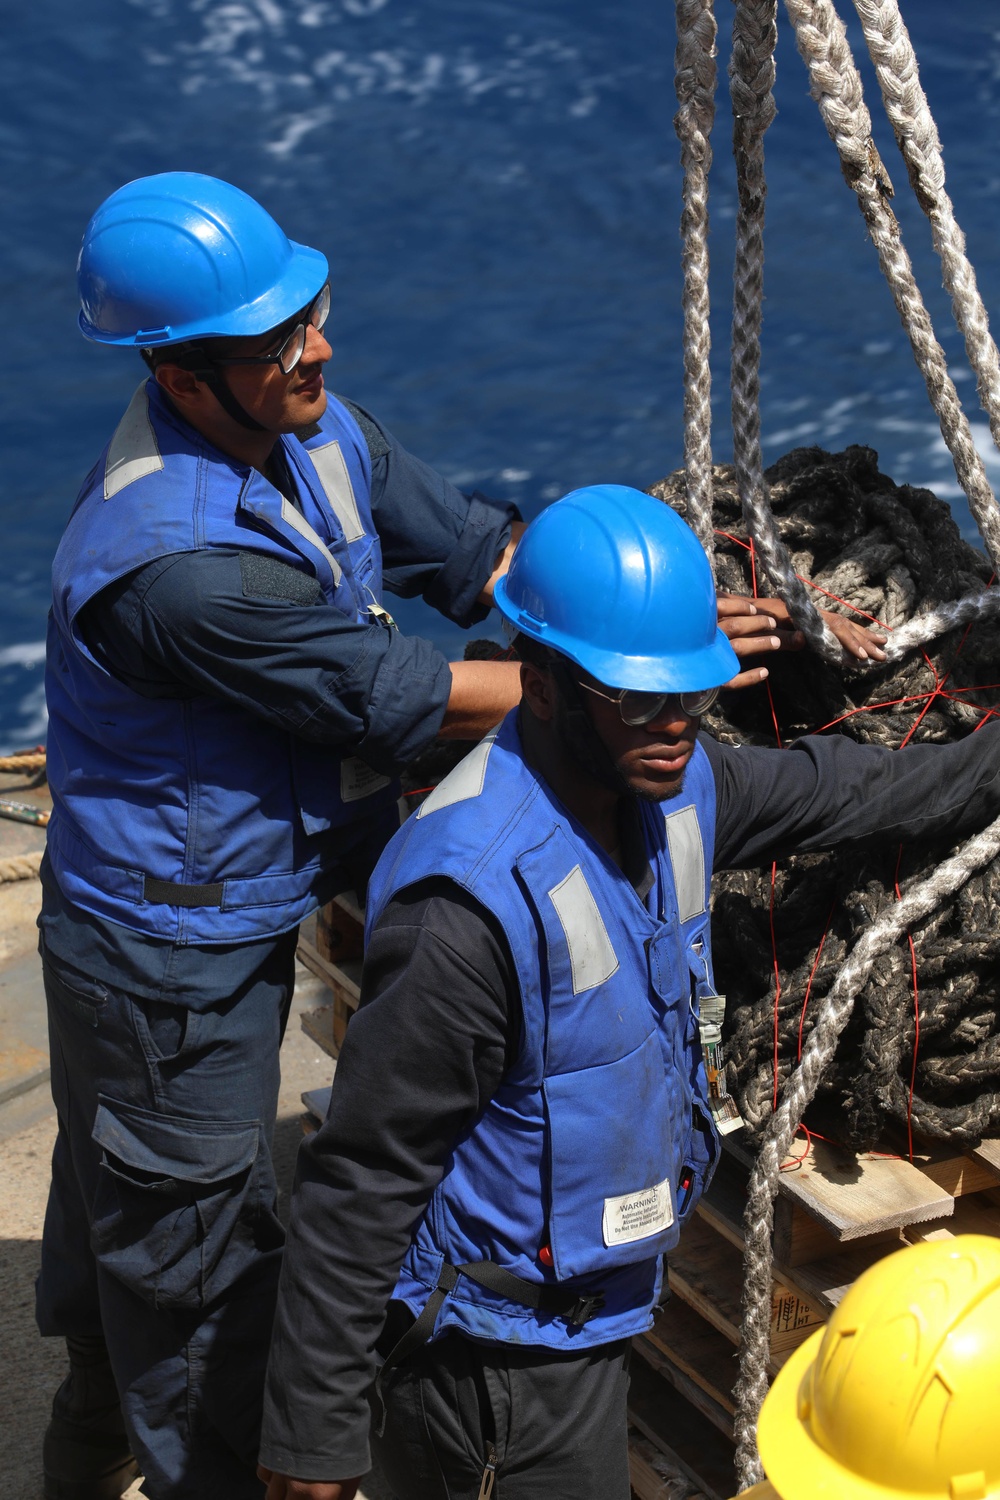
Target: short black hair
[(190, 356), (526, 648)]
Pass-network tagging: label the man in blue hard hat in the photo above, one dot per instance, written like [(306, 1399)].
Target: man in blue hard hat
[(521, 1120), (229, 706)]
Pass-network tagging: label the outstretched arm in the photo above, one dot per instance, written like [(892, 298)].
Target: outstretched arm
[(826, 790)]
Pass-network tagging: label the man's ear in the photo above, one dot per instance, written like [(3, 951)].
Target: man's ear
[(538, 691), (182, 386)]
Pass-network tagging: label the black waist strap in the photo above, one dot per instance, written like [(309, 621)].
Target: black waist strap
[(172, 893), (542, 1296)]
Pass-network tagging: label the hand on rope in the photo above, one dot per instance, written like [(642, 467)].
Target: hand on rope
[(754, 626)]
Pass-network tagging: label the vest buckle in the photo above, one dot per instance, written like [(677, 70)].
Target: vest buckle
[(584, 1309)]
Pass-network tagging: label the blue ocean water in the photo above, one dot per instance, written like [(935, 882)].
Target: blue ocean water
[(497, 188)]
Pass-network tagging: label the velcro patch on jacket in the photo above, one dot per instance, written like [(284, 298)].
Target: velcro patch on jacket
[(376, 443), (636, 1216), (591, 956), (269, 578)]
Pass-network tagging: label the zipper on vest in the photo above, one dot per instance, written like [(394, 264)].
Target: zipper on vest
[(489, 1473)]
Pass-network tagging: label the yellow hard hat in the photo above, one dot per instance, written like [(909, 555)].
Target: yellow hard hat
[(898, 1396)]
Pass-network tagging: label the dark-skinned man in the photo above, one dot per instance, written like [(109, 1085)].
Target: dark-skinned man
[(520, 1122)]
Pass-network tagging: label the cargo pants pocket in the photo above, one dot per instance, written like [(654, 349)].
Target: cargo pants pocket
[(176, 1214)]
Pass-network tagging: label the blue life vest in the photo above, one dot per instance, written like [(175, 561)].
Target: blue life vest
[(599, 1141), (197, 793)]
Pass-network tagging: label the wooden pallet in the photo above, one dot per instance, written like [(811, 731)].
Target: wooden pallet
[(835, 1215), (334, 957)]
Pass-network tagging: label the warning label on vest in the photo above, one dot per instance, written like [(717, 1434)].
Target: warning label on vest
[(358, 780), (635, 1216)]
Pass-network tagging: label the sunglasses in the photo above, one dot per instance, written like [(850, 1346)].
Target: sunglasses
[(293, 347), (641, 708)]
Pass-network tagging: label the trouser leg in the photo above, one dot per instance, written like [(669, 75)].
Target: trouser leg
[(67, 1300), (557, 1423), (168, 1130)]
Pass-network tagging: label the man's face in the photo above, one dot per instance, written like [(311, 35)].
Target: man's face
[(650, 758), (279, 402)]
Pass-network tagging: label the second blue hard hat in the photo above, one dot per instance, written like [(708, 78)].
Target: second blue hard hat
[(620, 584), (181, 256)]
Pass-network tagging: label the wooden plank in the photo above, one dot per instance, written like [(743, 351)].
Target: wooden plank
[(853, 1196), (987, 1154), (343, 977), (822, 1283), (957, 1172), (681, 1432), (654, 1476), (697, 1349), (797, 1237), (347, 901), (723, 1205), (706, 1271), (318, 1024), (978, 1215), (338, 935), (693, 1394), (793, 1319)]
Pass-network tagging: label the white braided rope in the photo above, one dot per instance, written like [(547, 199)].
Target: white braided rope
[(19, 867), (751, 74), (916, 134), (800, 1089), (695, 77), (984, 605), (836, 86)]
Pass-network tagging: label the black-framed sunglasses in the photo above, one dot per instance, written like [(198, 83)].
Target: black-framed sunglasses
[(637, 707), (293, 347)]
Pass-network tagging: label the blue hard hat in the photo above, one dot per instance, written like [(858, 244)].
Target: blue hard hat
[(182, 256), (616, 581)]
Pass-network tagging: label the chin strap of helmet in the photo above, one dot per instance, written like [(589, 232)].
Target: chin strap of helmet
[(576, 731), (200, 364), (216, 381)]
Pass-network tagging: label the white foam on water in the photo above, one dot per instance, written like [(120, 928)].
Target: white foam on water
[(277, 50), (26, 654), (28, 722)]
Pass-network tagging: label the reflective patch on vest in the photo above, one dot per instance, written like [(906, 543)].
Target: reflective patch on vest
[(329, 464), (358, 780), (591, 955), (636, 1216), (467, 780), (687, 856), (133, 453), (297, 521)]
